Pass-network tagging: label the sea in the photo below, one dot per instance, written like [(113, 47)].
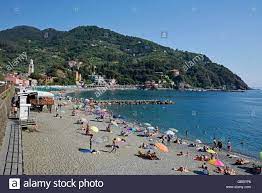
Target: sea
[(234, 116)]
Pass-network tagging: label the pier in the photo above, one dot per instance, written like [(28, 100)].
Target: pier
[(134, 102)]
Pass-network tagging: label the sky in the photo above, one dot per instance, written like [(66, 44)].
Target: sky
[(229, 32)]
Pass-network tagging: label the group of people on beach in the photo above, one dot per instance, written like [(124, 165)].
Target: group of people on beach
[(218, 144), (90, 107)]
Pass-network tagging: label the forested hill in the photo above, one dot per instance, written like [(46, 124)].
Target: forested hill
[(128, 59)]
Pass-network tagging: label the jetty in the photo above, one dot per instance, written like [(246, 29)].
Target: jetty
[(134, 102)]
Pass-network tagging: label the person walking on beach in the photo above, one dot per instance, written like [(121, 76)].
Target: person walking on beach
[(87, 129), (108, 128), (215, 142), (114, 146), (229, 146), (219, 145), (186, 134), (90, 141)]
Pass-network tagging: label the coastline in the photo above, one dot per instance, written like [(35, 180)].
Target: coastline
[(54, 150)]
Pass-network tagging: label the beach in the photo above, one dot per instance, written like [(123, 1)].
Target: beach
[(53, 149)]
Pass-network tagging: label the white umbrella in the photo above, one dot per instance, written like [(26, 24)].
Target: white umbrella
[(198, 141), (174, 130), (147, 124), (151, 128), (169, 132)]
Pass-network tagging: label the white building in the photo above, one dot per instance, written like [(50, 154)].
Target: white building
[(31, 68)]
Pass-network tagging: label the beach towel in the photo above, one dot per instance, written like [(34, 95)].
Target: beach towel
[(85, 150)]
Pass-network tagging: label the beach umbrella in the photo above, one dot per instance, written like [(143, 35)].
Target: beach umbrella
[(216, 162), (147, 124), (198, 141), (169, 132), (211, 151), (174, 130), (94, 128), (151, 128), (161, 147)]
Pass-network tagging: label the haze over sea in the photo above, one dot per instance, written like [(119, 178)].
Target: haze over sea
[(230, 116)]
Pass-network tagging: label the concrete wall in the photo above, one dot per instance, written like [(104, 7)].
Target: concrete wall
[(5, 105)]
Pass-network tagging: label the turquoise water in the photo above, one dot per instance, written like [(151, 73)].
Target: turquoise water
[(224, 115)]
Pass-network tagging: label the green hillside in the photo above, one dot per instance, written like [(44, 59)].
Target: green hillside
[(127, 59)]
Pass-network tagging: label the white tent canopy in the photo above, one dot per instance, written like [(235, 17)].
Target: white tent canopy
[(38, 93)]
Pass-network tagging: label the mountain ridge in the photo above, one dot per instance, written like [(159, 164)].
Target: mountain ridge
[(128, 59)]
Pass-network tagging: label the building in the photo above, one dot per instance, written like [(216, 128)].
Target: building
[(97, 79), (72, 63), (47, 79), (175, 72), (78, 77), (31, 68), (17, 80)]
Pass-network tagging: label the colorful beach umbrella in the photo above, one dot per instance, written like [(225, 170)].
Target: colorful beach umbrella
[(211, 151), (161, 147), (216, 162), (94, 128)]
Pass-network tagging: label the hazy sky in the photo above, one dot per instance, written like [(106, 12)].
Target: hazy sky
[(227, 31)]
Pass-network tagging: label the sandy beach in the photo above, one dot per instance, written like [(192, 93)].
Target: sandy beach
[(54, 150)]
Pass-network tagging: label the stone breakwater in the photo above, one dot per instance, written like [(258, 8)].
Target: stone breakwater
[(133, 102), (5, 104)]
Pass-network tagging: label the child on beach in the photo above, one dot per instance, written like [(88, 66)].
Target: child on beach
[(114, 146)]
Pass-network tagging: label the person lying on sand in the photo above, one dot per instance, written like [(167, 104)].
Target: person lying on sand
[(199, 158), (181, 169), (178, 141), (219, 170), (124, 133), (241, 161), (144, 146), (148, 155), (182, 154), (229, 171)]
